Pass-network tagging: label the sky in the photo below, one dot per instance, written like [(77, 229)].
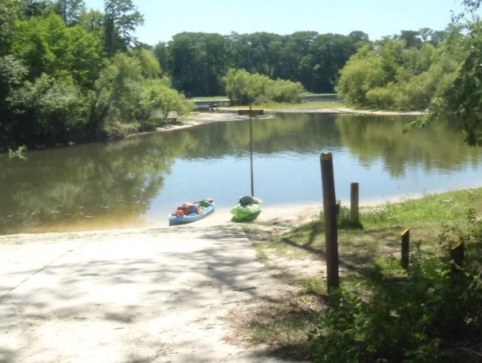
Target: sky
[(378, 18)]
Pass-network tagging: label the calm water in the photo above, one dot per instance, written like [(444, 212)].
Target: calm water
[(140, 180)]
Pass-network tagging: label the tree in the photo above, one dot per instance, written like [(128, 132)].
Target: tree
[(463, 98), (161, 50), (390, 75), (121, 20), (12, 75), (412, 38), (363, 72), (71, 10), (295, 59), (85, 62), (244, 88), (329, 53), (156, 103), (125, 93), (197, 62), (49, 112), (10, 12), (47, 45), (35, 8), (471, 6)]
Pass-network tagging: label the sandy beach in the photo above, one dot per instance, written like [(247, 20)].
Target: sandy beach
[(227, 114), (135, 295)]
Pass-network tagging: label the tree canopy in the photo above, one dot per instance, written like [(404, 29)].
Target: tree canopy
[(244, 88), (197, 62), (70, 75), (402, 73), (460, 99)]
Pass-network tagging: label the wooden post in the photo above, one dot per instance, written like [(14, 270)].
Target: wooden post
[(405, 249), (354, 204), (331, 228), (457, 255)]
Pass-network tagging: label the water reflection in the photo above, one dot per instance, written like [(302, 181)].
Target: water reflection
[(436, 147), (140, 179)]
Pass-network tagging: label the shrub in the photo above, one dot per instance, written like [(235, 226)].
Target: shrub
[(432, 313), (244, 88)]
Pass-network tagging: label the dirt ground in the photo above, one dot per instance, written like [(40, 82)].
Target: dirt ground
[(136, 295)]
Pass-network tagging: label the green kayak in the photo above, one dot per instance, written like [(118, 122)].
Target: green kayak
[(246, 210)]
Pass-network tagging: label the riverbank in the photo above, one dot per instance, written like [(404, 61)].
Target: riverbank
[(230, 114), (191, 293)]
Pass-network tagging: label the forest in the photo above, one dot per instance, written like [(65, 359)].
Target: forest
[(71, 75)]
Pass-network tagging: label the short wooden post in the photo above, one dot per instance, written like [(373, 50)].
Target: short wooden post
[(331, 228), (405, 249), (354, 204), (457, 255)]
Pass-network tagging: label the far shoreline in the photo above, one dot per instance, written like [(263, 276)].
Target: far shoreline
[(225, 114)]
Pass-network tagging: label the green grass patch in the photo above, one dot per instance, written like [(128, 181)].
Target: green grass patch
[(380, 227), (427, 313), (295, 106), (210, 98)]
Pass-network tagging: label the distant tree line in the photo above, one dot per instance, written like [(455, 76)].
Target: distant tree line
[(197, 62), (70, 75)]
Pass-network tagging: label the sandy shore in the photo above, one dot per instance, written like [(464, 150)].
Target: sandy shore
[(227, 114), (135, 295)]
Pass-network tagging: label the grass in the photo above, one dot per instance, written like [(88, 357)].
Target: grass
[(285, 324), (330, 102), (209, 99), (295, 106)]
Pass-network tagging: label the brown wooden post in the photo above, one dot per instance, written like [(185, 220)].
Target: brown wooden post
[(354, 203), (457, 255), (405, 249), (331, 228)]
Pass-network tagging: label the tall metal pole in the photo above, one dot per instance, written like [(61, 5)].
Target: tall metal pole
[(251, 148)]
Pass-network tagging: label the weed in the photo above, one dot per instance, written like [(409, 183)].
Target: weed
[(427, 315), (431, 312)]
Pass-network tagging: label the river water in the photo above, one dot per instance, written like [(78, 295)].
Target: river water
[(138, 181)]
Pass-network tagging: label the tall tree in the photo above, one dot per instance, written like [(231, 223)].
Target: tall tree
[(197, 62), (463, 99), (38, 7), (10, 12), (129, 90), (412, 38), (12, 75), (363, 72), (121, 20), (71, 10), (47, 45), (160, 50), (329, 53)]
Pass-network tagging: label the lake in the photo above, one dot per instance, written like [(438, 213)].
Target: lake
[(138, 181)]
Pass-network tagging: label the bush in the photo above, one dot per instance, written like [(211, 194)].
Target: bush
[(432, 313), (244, 88)]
